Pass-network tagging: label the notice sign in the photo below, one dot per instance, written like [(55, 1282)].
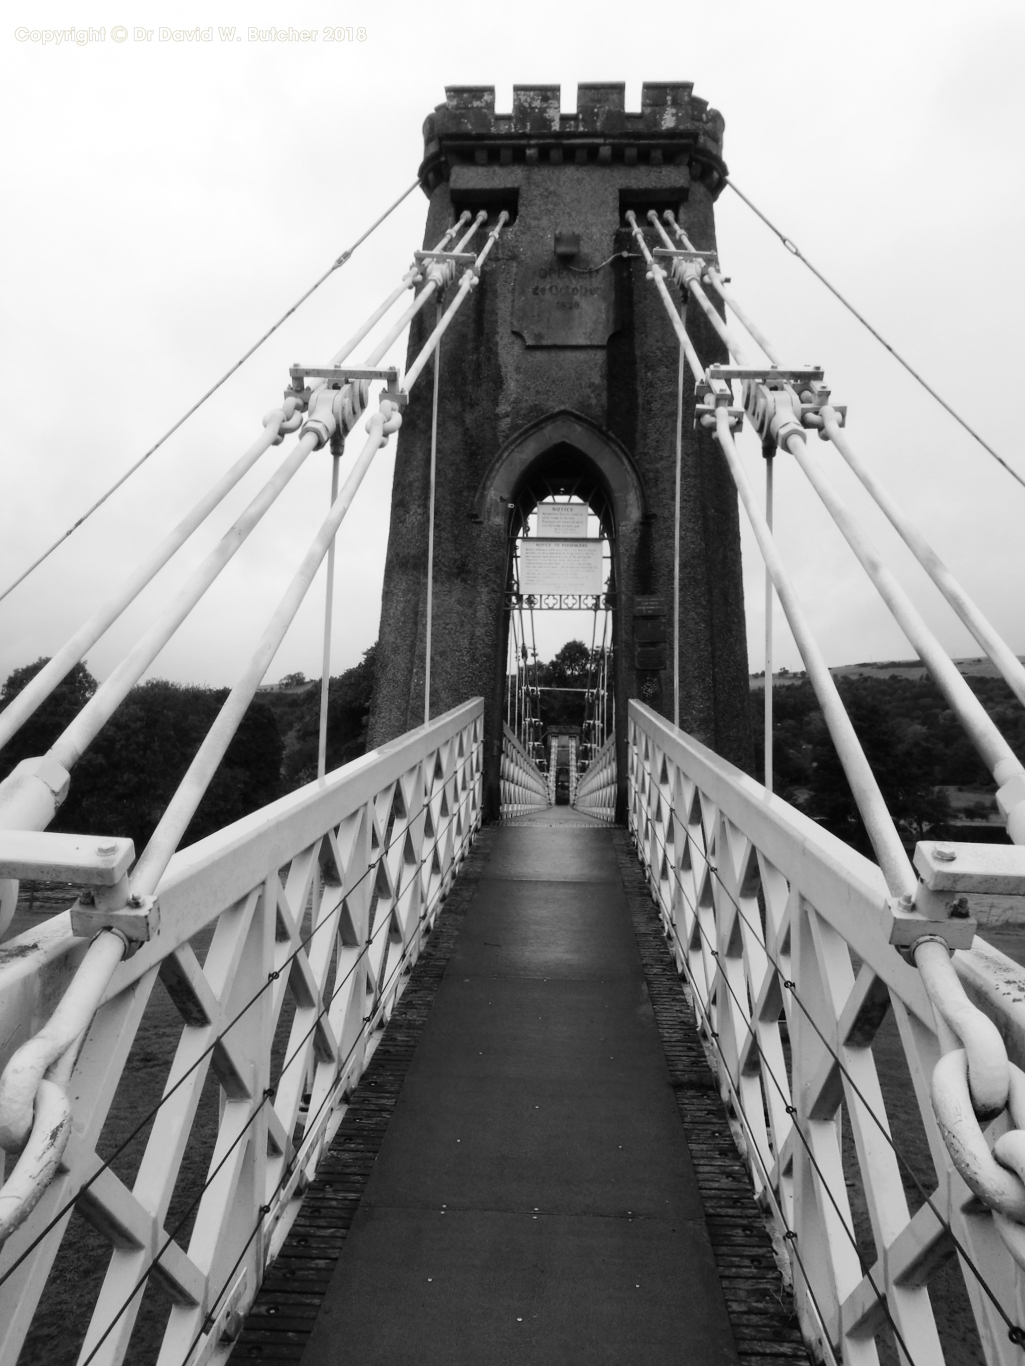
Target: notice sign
[(560, 566), (562, 519)]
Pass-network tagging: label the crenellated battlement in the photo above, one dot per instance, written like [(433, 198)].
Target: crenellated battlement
[(672, 127)]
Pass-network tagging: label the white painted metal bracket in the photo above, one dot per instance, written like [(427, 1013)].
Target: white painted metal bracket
[(138, 920), (44, 856), (342, 374), (458, 258)]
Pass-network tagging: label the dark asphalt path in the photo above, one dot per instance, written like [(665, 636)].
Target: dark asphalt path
[(534, 1199)]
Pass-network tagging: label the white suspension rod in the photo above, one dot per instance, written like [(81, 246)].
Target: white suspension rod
[(436, 281), (429, 631), (469, 281), (325, 668), (719, 285), (896, 868), (994, 750), (689, 277), (183, 804), (659, 277), (396, 294), (76, 738), (42, 685), (676, 544), (1008, 663), (768, 452)]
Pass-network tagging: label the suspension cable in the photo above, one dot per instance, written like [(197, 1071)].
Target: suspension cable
[(886, 843), (429, 625), (1006, 662), (341, 260), (325, 666), (790, 1236), (287, 1169), (795, 250), (272, 977), (791, 1110), (267, 1094), (791, 986), (190, 791), (182, 806), (276, 423)]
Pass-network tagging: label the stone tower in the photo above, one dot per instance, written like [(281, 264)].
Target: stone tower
[(528, 384)]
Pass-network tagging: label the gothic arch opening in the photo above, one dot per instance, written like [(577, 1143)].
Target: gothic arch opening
[(560, 643)]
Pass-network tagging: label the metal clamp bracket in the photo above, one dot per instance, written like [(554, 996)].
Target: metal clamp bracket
[(925, 914), (226, 1324), (341, 374), (137, 922), (814, 397), (458, 258), (953, 876), (983, 869), (775, 376), (47, 857), (721, 397), (707, 258)]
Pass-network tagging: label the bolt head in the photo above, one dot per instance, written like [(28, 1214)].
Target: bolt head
[(946, 853), (105, 850)]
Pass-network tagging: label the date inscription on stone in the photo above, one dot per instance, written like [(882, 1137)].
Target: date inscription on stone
[(554, 305)]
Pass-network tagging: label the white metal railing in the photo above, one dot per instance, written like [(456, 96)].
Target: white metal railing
[(786, 938), (523, 787), (318, 902), (596, 790)]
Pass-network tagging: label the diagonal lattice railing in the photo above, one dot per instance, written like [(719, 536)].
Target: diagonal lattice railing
[(524, 787), (596, 788), (317, 905), (784, 935)]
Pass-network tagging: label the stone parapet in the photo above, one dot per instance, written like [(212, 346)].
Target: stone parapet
[(673, 127)]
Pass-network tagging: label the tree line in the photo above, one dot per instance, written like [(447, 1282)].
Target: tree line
[(912, 740), (126, 777)]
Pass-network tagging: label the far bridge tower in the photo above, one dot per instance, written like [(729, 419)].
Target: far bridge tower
[(561, 373)]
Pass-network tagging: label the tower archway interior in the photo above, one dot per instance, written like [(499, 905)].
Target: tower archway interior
[(559, 644)]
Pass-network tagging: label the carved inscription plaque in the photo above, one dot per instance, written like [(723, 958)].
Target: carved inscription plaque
[(560, 566), (554, 305)]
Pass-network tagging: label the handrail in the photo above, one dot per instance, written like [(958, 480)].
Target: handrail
[(321, 898), (596, 790), (522, 787), (765, 911)]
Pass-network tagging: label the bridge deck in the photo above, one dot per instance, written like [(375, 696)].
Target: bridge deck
[(533, 1198)]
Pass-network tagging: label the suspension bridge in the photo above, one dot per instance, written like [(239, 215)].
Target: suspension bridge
[(499, 1045)]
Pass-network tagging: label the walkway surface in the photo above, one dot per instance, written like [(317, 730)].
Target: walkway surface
[(533, 1200)]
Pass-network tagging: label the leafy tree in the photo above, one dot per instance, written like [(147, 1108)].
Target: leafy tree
[(348, 715), (129, 773), (569, 667), (50, 719)]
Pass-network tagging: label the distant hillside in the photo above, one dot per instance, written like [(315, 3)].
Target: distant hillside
[(899, 668)]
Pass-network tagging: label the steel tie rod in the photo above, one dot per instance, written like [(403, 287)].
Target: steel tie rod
[(994, 750), (726, 295), (900, 876)]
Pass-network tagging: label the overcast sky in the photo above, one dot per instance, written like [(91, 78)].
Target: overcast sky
[(167, 200)]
